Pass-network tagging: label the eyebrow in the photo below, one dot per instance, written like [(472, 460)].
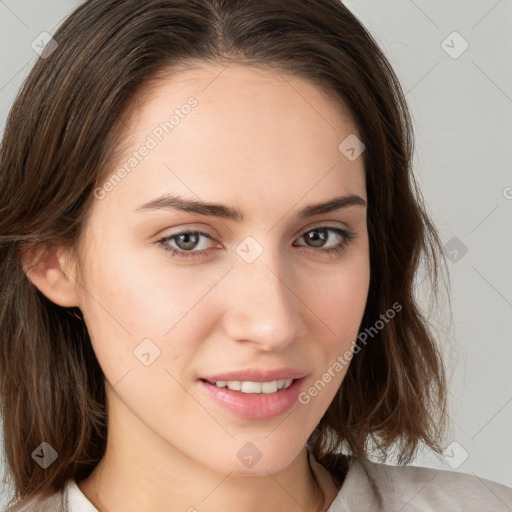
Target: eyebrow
[(172, 201)]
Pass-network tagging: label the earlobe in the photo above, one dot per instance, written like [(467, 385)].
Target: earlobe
[(50, 270)]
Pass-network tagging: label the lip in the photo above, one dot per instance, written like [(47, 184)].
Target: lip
[(253, 406), (258, 375)]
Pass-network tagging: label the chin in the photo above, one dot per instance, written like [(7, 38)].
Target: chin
[(255, 457)]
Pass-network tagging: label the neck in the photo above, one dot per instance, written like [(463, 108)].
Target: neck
[(152, 475)]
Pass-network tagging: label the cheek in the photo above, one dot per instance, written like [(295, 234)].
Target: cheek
[(340, 297), (132, 309), (126, 288), (339, 303), (118, 306)]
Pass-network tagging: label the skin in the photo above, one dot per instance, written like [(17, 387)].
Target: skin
[(266, 143)]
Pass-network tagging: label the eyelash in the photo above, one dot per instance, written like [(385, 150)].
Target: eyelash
[(346, 235)]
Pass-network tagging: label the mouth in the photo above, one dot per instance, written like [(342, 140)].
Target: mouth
[(253, 387), (253, 400)]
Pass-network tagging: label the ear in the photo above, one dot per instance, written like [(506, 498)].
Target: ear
[(51, 269)]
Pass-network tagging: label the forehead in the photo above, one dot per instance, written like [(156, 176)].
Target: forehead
[(251, 133), (243, 95)]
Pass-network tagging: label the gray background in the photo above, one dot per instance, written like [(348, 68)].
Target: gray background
[(462, 111)]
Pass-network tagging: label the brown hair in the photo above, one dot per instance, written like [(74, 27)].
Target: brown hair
[(60, 138)]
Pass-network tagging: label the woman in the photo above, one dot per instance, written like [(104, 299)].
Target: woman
[(209, 241)]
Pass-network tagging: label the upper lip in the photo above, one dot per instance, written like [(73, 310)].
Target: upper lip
[(257, 375)]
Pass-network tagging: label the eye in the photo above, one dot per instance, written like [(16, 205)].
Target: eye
[(318, 236), (189, 240)]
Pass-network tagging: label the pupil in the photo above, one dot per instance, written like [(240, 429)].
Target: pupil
[(317, 240), (188, 236)]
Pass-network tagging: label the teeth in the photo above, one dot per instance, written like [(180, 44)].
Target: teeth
[(251, 387), (268, 387), (254, 387)]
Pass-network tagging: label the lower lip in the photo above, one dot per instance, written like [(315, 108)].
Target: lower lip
[(254, 406)]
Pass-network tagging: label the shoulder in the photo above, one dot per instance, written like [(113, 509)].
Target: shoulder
[(54, 502), (411, 489)]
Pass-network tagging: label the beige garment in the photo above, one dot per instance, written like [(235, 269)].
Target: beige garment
[(401, 488)]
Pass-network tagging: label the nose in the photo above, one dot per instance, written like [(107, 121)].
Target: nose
[(263, 308)]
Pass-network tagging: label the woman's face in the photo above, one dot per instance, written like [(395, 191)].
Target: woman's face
[(261, 300)]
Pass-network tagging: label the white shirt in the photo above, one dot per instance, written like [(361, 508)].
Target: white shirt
[(402, 488)]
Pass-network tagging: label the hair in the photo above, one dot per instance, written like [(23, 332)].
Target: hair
[(59, 141)]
